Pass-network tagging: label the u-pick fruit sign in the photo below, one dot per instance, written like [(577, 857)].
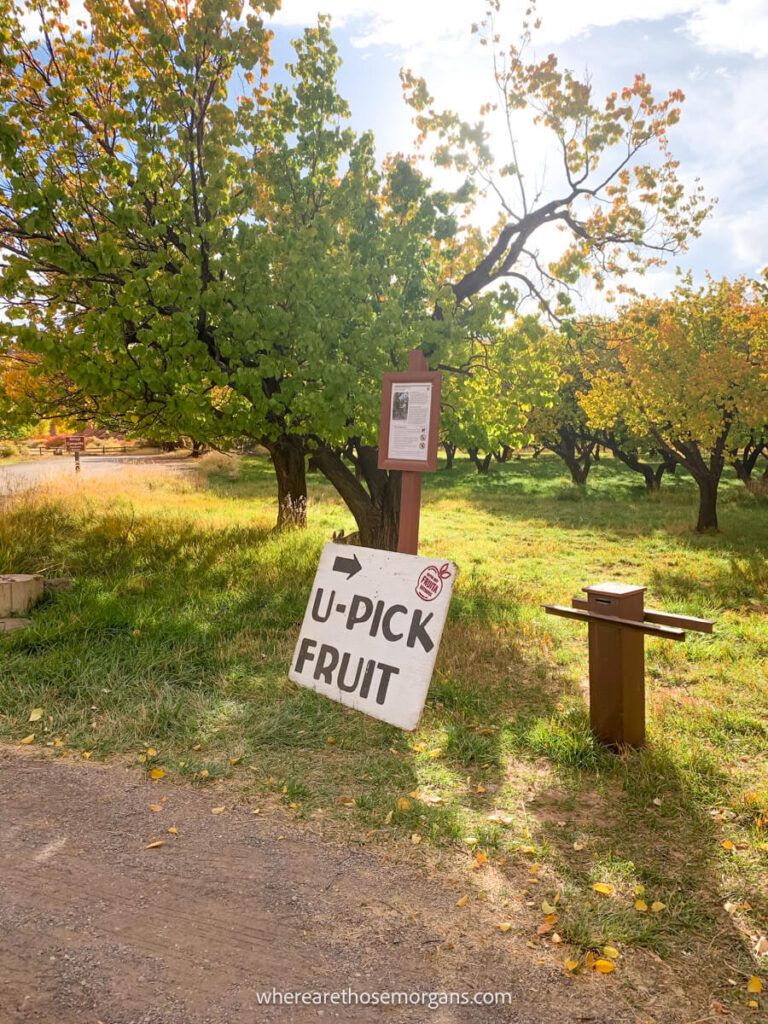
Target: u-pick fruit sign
[(372, 630)]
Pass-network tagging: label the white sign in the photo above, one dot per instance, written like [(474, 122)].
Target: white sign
[(409, 421), (372, 630)]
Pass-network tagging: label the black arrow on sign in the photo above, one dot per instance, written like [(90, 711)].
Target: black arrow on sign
[(350, 566)]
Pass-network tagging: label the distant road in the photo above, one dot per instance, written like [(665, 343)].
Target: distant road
[(21, 475)]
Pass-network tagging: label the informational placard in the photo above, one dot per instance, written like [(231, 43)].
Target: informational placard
[(372, 630), (410, 421)]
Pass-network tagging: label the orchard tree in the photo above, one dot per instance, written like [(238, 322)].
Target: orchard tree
[(616, 200), (691, 372)]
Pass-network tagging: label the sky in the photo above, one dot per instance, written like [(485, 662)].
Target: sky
[(715, 50)]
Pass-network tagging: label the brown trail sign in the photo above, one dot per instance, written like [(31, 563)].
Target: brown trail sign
[(374, 619), (618, 624), (408, 436)]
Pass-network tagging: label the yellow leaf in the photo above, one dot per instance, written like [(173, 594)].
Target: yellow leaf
[(86, 754), (293, 806), (657, 907), (605, 888), (157, 773), (173, 830), (155, 808), (434, 753), (728, 845), (504, 926), (535, 869), (151, 752), (604, 966), (527, 849), (754, 985), (330, 741), (480, 859), (197, 746), (218, 810), (639, 890), (547, 907), (155, 845), (470, 840), (58, 743), (752, 1004), (27, 740), (388, 818), (578, 846), (571, 965), (480, 788), (556, 939), (403, 804), (611, 952), (642, 906), (462, 901), (415, 838), (35, 715)]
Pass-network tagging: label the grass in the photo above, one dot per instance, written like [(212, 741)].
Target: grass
[(180, 627)]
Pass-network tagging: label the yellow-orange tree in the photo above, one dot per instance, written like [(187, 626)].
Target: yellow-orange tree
[(691, 372)]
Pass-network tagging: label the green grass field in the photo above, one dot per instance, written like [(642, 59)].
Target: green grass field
[(178, 632)]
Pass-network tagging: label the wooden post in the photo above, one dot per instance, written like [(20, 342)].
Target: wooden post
[(618, 624), (617, 666), (410, 486)]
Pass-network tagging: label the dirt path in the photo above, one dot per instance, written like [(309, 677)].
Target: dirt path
[(94, 927)]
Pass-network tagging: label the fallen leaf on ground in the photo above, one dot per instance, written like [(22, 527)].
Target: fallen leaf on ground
[(571, 965), (556, 939), (547, 907), (657, 907), (403, 804), (642, 906), (462, 901), (86, 754), (754, 985), (155, 808), (479, 861), (173, 830), (157, 773), (504, 926), (578, 846), (151, 752), (762, 946), (154, 846), (235, 760), (604, 966), (415, 838), (639, 890), (58, 743), (605, 888), (27, 740), (500, 819), (218, 810), (728, 845), (611, 952), (35, 714)]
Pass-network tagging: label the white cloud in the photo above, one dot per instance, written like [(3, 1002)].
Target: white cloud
[(740, 26)]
